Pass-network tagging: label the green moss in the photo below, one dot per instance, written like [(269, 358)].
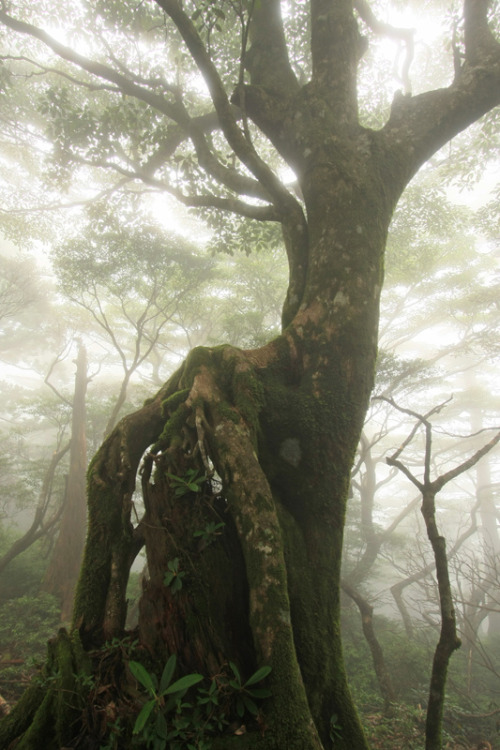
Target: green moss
[(49, 711), (171, 433), (41, 730), (248, 395), (228, 412), (91, 592), (170, 404), (67, 709), (109, 533), (21, 716), (200, 356)]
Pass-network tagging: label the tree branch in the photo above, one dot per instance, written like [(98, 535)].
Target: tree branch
[(480, 44), (419, 126), (267, 60), (191, 127), (243, 149), (100, 70), (393, 32)]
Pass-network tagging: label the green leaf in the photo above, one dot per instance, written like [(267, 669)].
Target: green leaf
[(184, 683), (240, 708), (250, 705), (235, 671), (168, 673), (177, 584), (259, 693), (168, 578), (258, 676), (161, 726), (159, 743), (144, 715), (142, 675)]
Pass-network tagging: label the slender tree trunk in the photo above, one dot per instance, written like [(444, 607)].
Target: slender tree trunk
[(381, 671), (448, 638), (121, 398), (64, 566), (491, 542), (40, 525), (489, 523)]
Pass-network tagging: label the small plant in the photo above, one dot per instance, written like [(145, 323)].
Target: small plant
[(173, 577), (245, 692), (210, 532), (193, 481), (160, 720), (124, 645), (168, 720), (335, 728), (115, 731)]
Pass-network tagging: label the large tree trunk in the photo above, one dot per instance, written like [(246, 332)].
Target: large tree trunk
[(279, 426)]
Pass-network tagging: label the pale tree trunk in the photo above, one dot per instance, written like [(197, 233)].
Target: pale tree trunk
[(64, 566), (491, 541), (489, 529), (489, 521)]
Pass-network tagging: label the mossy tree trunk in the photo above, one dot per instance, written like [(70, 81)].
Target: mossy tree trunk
[(273, 431)]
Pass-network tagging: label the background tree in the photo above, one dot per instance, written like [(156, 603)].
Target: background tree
[(132, 279), (279, 425), (62, 572)]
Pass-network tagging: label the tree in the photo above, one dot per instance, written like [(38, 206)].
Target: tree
[(17, 286), (262, 441), (132, 279), (62, 573), (433, 281), (429, 488)]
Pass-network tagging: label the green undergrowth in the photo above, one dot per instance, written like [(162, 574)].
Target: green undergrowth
[(28, 618), (471, 699)]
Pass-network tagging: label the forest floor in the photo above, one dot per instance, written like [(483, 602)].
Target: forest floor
[(406, 729), (394, 732)]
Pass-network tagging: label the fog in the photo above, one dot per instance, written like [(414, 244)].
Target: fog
[(110, 276)]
